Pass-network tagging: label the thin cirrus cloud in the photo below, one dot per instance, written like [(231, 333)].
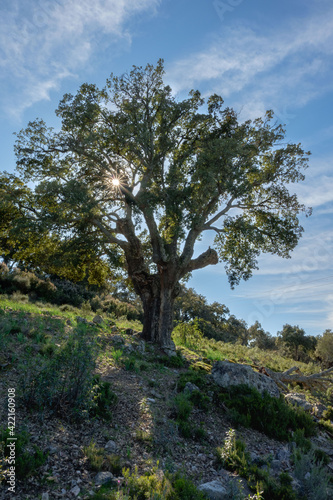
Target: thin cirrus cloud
[(281, 68), (44, 42)]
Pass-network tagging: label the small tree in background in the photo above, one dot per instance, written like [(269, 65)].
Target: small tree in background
[(296, 340), (261, 339), (324, 349), (134, 178)]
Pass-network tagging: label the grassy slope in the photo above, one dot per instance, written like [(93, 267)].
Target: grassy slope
[(38, 330)]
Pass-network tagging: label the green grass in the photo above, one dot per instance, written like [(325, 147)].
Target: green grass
[(214, 350)]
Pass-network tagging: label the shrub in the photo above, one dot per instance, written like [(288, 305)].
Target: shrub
[(181, 407), (153, 484), (273, 416), (20, 297), (64, 383), (95, 456), (312, 476), (301, 441), (197, 378), (187, 334), (104, 399), (184, 489), (232, 454), (172, 361), (28, 458), (199, 400)]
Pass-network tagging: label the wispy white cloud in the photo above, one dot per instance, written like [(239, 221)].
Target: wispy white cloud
[(44, 42), (277, 69)]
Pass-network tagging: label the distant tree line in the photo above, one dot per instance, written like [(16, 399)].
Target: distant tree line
[(214, 321)]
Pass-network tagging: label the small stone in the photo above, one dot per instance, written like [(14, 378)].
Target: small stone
[(52, 450), (111, 446), (75, 491), (298, 400), (214, 490), (73, 483), (98, 320), (81, 320), (156, 394), (103, 478), (45, 496), (276, 464), (52, 479), (117, 339), (307, 476), (189, 388)]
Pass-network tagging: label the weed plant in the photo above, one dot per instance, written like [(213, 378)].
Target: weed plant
[(99, 460)]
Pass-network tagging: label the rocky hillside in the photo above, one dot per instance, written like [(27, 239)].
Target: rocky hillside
[(100, 414)]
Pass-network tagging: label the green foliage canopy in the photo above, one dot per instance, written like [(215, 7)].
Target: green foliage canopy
[(134, 177)]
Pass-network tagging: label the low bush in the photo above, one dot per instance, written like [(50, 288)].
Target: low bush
[(99, 460), (181, 407), (64, 383), (153, 485), (184, 489), (199, 400), (28, 457), (312, 476), (234, 457), (104, 400), (172, 361), (272, 416), (196, 378)]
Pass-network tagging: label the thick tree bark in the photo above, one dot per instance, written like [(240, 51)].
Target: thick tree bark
[(158, 296), (158, 291)]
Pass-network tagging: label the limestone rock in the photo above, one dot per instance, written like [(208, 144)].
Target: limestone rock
[(141, 346), (103, 478), (98, 320), (214, 490), (75, 491), (111, 446), (169, 349), (299, 400), (117, 339), (225, 374), (189, 388), (81, 320)]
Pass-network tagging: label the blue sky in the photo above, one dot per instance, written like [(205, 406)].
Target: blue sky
[(257, 54)]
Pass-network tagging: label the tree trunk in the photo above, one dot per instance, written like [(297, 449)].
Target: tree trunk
[(158, 318), (158, 293)]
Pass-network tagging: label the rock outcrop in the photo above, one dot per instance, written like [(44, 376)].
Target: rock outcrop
[(225, 374)]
